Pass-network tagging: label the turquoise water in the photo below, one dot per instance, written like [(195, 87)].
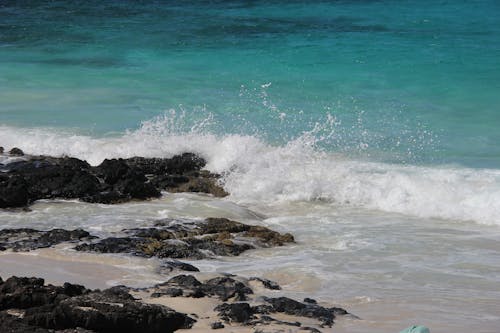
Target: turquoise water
[(404, 81)]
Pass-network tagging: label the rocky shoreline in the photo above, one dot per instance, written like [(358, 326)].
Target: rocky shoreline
[(239, 303), (27, 178)]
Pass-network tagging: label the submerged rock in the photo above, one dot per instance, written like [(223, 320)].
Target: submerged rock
[(27, 305), (190, 239), (25, 239), (266, 283), (169, 266)]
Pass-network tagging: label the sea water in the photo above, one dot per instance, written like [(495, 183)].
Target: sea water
[(368, 129)]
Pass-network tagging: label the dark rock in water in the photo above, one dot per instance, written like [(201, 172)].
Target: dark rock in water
[(216, 225), (177, 165), (110, 245), (184, 281), (169, 266), (235, 312), (310, 329), (112, 171), (222, 287), (45, 180), (181, 173), (123, 183), (223, 247), (217, 325), (201, 183), (13, 192), (16, 152), (1, 150), (113, 181), (170, 181), (341, 312), (136, 189), (56, 236), (225, 288), (267, 283), (310, 300), (292, 307), (194, 239), (25, 239), (27, 305), (269, 237)]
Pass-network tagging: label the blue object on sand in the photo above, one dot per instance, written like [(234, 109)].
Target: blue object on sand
[(416, 329)]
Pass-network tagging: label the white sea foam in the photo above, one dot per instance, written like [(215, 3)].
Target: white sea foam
[(256, 172)]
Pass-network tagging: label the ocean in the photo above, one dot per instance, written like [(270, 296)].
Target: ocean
[(368, 129)]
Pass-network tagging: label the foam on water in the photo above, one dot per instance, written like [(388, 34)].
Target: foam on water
[(255, 171)]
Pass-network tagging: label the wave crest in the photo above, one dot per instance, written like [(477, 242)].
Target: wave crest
[(257, 172)]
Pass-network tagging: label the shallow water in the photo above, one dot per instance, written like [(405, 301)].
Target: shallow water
[(389, 269)]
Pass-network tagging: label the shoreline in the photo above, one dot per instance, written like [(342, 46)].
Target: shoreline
[(60, 265), (380, 314), (61, 255)]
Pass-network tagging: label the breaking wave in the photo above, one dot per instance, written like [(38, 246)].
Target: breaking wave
[(256, 171)]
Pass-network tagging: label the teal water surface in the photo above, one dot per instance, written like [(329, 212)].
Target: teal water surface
[(403, 81)]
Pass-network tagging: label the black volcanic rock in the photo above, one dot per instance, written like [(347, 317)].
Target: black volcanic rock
[(13, 191), (24, 293), (177, 165), (175, 264), (25, 239), (106, 312), (191, 239), (226, 287), (16, 152), (310, 310), (113, 181), (27, 305), (223, 287), (235, 312), (114, 170), (110, 245), (184, 281)]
